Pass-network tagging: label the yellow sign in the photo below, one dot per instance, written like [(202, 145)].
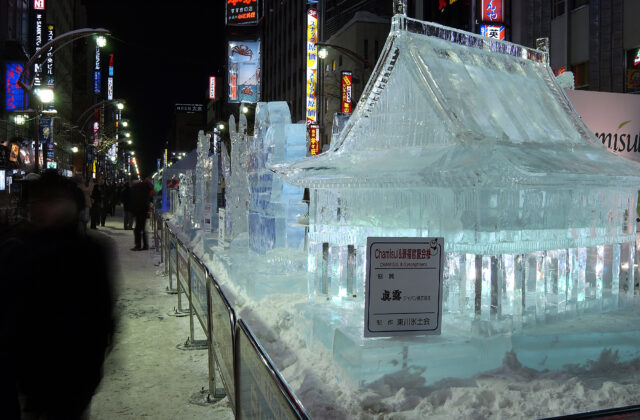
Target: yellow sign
[(312, 64)]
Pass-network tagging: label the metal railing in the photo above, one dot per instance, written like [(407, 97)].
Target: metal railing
[(238, 365)]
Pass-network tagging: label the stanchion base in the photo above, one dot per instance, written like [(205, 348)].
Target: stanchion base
[(171, 291), (178, 313), (204, 398), (193, 345)]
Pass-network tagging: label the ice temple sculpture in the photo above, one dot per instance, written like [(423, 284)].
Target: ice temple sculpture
[(472, 139)]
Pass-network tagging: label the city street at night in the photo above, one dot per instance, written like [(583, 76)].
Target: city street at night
[(319, 209)]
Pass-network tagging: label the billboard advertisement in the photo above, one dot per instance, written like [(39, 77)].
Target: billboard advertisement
[(244, 71), (312, 64), (612, 117), (347, 86), (15, 99), (242, 12), (492, 11)]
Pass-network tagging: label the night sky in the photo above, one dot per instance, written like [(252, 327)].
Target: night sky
[(164, 53)]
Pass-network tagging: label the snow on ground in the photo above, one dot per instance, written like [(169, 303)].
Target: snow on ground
[(146, 375)]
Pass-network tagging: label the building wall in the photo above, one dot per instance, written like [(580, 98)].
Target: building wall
[(354, 37), (283, 54)]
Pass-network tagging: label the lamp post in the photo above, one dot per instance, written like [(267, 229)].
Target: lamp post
[(45, 96)]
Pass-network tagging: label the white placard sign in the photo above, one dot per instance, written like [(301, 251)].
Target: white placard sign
[(403, 290)]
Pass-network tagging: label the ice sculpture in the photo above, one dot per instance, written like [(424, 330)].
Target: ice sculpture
[(274, 206), (185, 194), (237, 194), (206, 183), (471, 138), (225, 163)]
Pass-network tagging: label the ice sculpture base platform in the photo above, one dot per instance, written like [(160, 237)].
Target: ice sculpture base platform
[(578, 343), (259, 275)]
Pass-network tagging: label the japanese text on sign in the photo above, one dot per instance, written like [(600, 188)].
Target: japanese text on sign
[(403, 286)]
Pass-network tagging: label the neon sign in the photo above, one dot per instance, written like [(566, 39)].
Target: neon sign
[(15, 98)]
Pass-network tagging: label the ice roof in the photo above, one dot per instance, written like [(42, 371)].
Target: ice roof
[(445, 107)]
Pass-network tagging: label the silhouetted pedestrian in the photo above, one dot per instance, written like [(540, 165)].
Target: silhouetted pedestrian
[(141, 194), (125, 197), (57, 307)]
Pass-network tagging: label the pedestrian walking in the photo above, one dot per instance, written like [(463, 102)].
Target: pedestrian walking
[(125, 197), (98, 204), (141, 194)]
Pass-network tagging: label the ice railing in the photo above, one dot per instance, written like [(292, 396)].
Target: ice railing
[(468, 39)]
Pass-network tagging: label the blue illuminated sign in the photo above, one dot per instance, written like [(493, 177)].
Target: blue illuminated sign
[(96, 81), (15, 98)]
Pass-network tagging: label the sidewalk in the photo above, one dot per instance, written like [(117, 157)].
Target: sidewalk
[(146, 375)]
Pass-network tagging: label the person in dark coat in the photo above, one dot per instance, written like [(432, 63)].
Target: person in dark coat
[(52, 352), (125, 197), (141, 194), (98, 204)]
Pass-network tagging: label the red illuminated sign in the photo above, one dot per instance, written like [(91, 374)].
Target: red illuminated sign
[(347, 86), (38, 4), (492, 11), (212, 87), (314, 134), (242, 12)]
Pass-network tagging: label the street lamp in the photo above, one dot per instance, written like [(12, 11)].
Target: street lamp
[(101, 41)]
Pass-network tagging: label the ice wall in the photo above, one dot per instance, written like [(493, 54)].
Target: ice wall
[(274, 206)]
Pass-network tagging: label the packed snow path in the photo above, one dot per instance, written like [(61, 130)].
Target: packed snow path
[(146, 375)]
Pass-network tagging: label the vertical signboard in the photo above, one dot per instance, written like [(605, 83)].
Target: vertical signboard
[(48, 70), (314, 144), (492, 11), (15, 98), (347, 85), (244, 71), (96, 128), (312, 64), (242, 12), (46, 135), (110, 79), (96, 72), (212, 88), (39, 22), (403, 289)]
